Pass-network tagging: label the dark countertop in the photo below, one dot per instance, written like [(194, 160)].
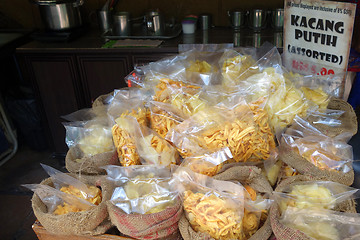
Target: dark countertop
[(92, 41)]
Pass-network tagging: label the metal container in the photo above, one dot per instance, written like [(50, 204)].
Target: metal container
[(60, 15), (237, 19), (155, 22), (277, 19), (121, 24), (205, 21), (104, 20), (257, 19)]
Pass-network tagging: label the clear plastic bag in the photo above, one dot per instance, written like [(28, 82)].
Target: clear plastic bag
[(222, 209), (208, 163), (322, 151), (163, 117), (58, 202), (314, 194), (182, 96), (323, 224), (219, 127), (92, 137), (141, 189), (151, 147), (68, 194)]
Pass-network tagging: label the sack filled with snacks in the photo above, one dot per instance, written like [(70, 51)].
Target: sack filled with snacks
[(69, 204), (216, 209), (259, 189), (310, 152), (90, 146), (335, 125), (150, 147), (143, 205), (306, 192), (322, 224), (208, 163), (127, 102)]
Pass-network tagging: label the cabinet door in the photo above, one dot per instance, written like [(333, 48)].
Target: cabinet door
[(139, 59), (58, 90), (101, 74)]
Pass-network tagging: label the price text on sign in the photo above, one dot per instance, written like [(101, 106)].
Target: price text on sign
[(317, 35)]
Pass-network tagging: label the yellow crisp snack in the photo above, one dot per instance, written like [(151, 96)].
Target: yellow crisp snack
[(317, 96), (237, 69), (151, 194), (98, 141), (247, 140), (312, 151), (203, 167), (158, 150), (213, 215), (124, 143), (199, 66), (182, 96), (162, 121), (66, 208), (309, 196)]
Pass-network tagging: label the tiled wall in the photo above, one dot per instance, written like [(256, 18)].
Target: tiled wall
[(26, 13)]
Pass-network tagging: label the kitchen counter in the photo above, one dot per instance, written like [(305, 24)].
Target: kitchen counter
[(92, 40)]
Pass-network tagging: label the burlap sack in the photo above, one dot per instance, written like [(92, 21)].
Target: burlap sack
[(92, 222), (76, 162), (304, 167), (348, 119), (161, 225), (250, 175), (285, 233)]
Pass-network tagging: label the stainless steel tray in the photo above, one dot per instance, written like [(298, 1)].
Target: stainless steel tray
[(139, 31)]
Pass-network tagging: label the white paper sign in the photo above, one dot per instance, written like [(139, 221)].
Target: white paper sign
[(317, 36)]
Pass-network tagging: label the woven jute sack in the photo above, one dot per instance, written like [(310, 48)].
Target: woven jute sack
[(161, 225), (249, 175), (285, 233), (94, 221), (348, 119), (304, 167), (76, 162)]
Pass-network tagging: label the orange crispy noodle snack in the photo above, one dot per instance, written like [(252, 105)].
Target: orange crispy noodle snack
[(321, 158), (289, 171), (124, 143), (182, 96), (247, 140), (161, 121), (205, 167), (213, 215), (66, 208)]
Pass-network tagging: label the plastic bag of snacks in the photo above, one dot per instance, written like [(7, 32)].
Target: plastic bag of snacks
[(323, 224), (332, 125), (310, 152), (151, 148), (90, 146), (68, 204), (220, 127), (307, 193), (143, 205), (216, 209), (207, 163), (164, 117), (130, 102), (260, 191)]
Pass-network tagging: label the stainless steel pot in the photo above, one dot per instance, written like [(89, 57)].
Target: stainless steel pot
[(60, 15)]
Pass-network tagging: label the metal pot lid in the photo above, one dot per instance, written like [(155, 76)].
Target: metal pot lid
[(51, 2)]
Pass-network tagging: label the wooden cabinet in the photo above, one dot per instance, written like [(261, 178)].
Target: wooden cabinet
[(67, 82), (101, 74)]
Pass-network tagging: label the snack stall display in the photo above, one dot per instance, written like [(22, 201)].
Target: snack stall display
[(210, 144)]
